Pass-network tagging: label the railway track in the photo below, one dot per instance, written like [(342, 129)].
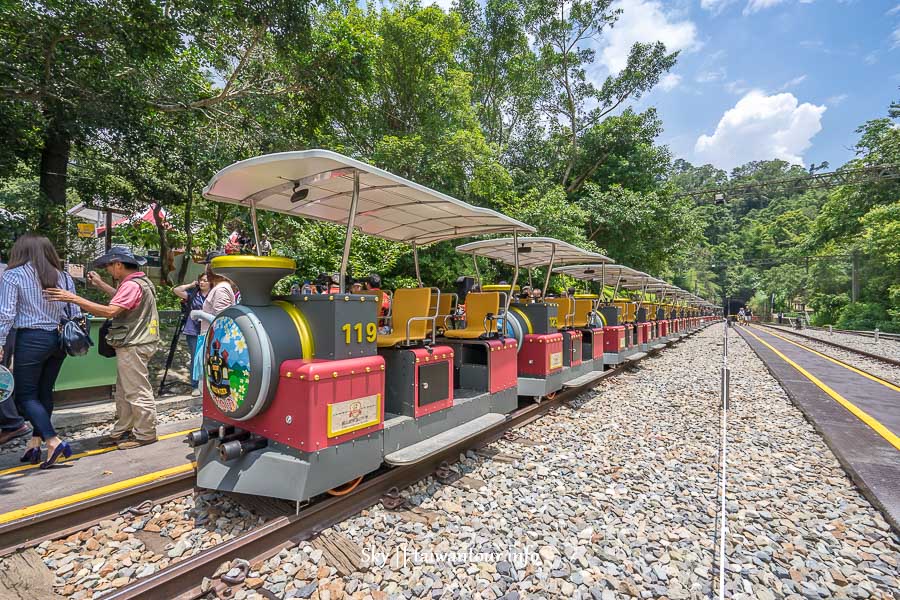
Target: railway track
[(183, 579), (877, 357), (64, 521), (865, 334)]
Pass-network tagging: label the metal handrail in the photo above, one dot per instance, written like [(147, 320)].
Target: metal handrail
[(432, 318)]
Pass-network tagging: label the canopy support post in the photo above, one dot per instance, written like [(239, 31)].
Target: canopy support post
[(415, 250), (515, 275), (477, 274), (549, 270), (354, 204), (603, 283), (255, 226)]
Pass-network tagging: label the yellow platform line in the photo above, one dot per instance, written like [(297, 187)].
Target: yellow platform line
[(862, 415), (28, 511), (94, 452), (874, 378)]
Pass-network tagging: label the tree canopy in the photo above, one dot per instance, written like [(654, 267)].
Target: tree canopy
[(137, 103)]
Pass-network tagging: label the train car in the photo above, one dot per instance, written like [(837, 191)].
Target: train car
[(550, 345), (306, 394), (622, 335)]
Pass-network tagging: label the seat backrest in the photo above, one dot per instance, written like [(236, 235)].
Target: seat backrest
[(478, 305), (564, 307), (409, 303), (583, 306)]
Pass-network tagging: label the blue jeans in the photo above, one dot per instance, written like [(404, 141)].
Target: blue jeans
[(192, 347), (36, 367)]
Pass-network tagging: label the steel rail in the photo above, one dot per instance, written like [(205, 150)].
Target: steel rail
[(64, 521), (856, 332), (180, 580), (879, 357)]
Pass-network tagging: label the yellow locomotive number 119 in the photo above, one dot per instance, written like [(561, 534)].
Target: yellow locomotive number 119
[(371, 332)]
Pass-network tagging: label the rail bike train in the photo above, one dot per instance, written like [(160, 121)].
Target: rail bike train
[(306, 394)]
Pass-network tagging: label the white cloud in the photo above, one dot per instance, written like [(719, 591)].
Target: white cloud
[(758, 5), (836, 100), (669, 81), (711, 76), (645, 21), (761, 127), (715, 6), (896, 38), (793, 82), (738, 87)]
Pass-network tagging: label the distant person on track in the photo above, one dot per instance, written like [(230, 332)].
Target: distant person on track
[(134, 333), (265, 246), (742, 316), (34, 269), (193, 295)]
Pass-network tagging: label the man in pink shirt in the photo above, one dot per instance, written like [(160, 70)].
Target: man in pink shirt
[(134, 333)]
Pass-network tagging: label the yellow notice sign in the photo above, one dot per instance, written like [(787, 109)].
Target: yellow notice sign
[(87, 230)]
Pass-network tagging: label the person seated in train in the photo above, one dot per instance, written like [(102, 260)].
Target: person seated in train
[(373, 284), (536, 295), (525, 294), (356, 288)]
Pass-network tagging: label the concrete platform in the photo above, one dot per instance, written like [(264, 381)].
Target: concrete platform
[(23, 486), (859, 420), (96, 413)]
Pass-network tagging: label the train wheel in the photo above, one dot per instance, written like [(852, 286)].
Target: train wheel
[(343, 490)]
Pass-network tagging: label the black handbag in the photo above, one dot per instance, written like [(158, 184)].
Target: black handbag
[(103, 347), (74, 333)]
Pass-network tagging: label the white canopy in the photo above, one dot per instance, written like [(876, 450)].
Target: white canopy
[(533, 251), (626, 277), (318, 184)]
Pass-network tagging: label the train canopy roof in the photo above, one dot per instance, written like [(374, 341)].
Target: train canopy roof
[(532, 251), (318, 184), (625, 277)]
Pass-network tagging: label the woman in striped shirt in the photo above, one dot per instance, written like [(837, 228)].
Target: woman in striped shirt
[(34, 266)]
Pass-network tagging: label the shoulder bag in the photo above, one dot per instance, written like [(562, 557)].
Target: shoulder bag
[(74, 333)]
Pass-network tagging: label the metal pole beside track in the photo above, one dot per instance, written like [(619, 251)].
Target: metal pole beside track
[(724, 389)]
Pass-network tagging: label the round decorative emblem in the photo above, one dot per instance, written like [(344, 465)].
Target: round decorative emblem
[(227, 365), (7, 384)]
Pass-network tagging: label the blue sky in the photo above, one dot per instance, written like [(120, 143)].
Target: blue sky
[(760, 79)]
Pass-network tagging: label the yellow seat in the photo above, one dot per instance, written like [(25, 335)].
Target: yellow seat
[(410, 306), (565, 309), (445, 310), (478, 306), (583, 306)]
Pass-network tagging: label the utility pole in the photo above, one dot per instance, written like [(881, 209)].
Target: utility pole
[(854, 276)]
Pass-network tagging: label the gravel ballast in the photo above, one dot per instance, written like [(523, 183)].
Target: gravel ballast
[(884, 347), (614, 495)]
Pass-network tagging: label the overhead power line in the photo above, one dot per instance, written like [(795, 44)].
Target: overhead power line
[(798, 184)]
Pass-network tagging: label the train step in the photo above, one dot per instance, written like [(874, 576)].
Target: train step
[(635, 356), (585, 379), (451, 437), (657, 346)]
